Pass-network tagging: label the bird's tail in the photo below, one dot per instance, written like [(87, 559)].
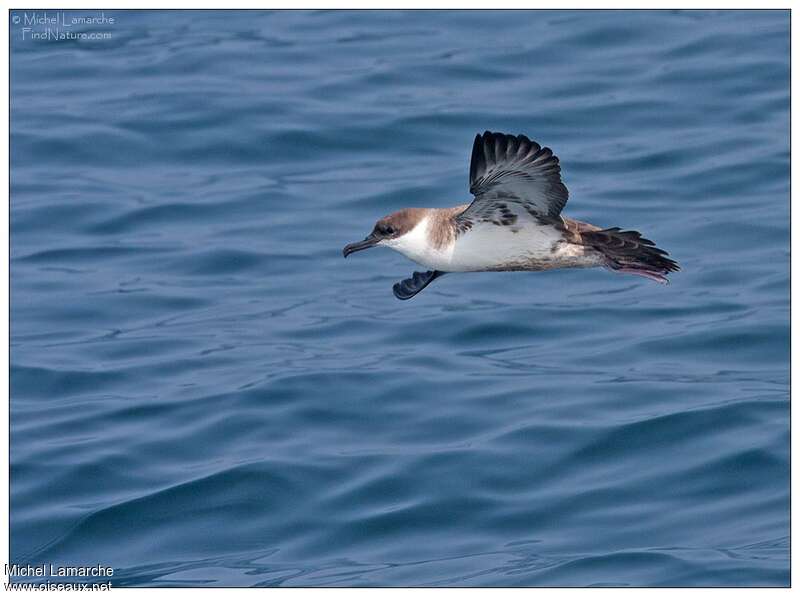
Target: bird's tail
[(626, 251)]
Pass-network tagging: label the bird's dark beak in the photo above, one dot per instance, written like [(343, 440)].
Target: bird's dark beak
[(368, 242)]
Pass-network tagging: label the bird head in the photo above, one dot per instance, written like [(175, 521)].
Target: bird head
[(387, 230)]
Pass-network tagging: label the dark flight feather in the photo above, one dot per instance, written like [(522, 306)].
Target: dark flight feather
[(412, 286), (512, 177)]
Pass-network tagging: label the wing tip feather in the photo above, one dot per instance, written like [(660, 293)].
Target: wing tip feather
[(494, 152)]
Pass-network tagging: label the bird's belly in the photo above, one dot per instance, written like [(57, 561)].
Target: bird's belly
[(499, 248), (487, 247)]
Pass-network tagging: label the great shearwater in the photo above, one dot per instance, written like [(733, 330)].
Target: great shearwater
[(514, 223)]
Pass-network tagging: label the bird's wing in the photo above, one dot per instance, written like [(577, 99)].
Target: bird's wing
[(412, 286), (512, 178)]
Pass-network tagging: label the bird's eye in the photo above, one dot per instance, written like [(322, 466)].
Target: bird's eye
[(389, 230)]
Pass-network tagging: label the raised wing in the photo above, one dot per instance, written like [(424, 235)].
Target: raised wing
[(512, 177)]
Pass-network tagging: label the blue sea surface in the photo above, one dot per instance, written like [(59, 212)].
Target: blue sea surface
[(203, 392)]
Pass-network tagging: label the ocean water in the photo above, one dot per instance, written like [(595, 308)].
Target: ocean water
[(203, 392)]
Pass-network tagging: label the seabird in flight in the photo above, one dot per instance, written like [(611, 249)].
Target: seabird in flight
[(514, 223)]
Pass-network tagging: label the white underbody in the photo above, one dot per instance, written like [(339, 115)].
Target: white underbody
[(527, 245)]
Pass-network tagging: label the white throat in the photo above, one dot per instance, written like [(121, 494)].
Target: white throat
[(416, 245)]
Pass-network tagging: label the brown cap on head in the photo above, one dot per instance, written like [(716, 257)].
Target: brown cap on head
[(398, 223), (392, 226)]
